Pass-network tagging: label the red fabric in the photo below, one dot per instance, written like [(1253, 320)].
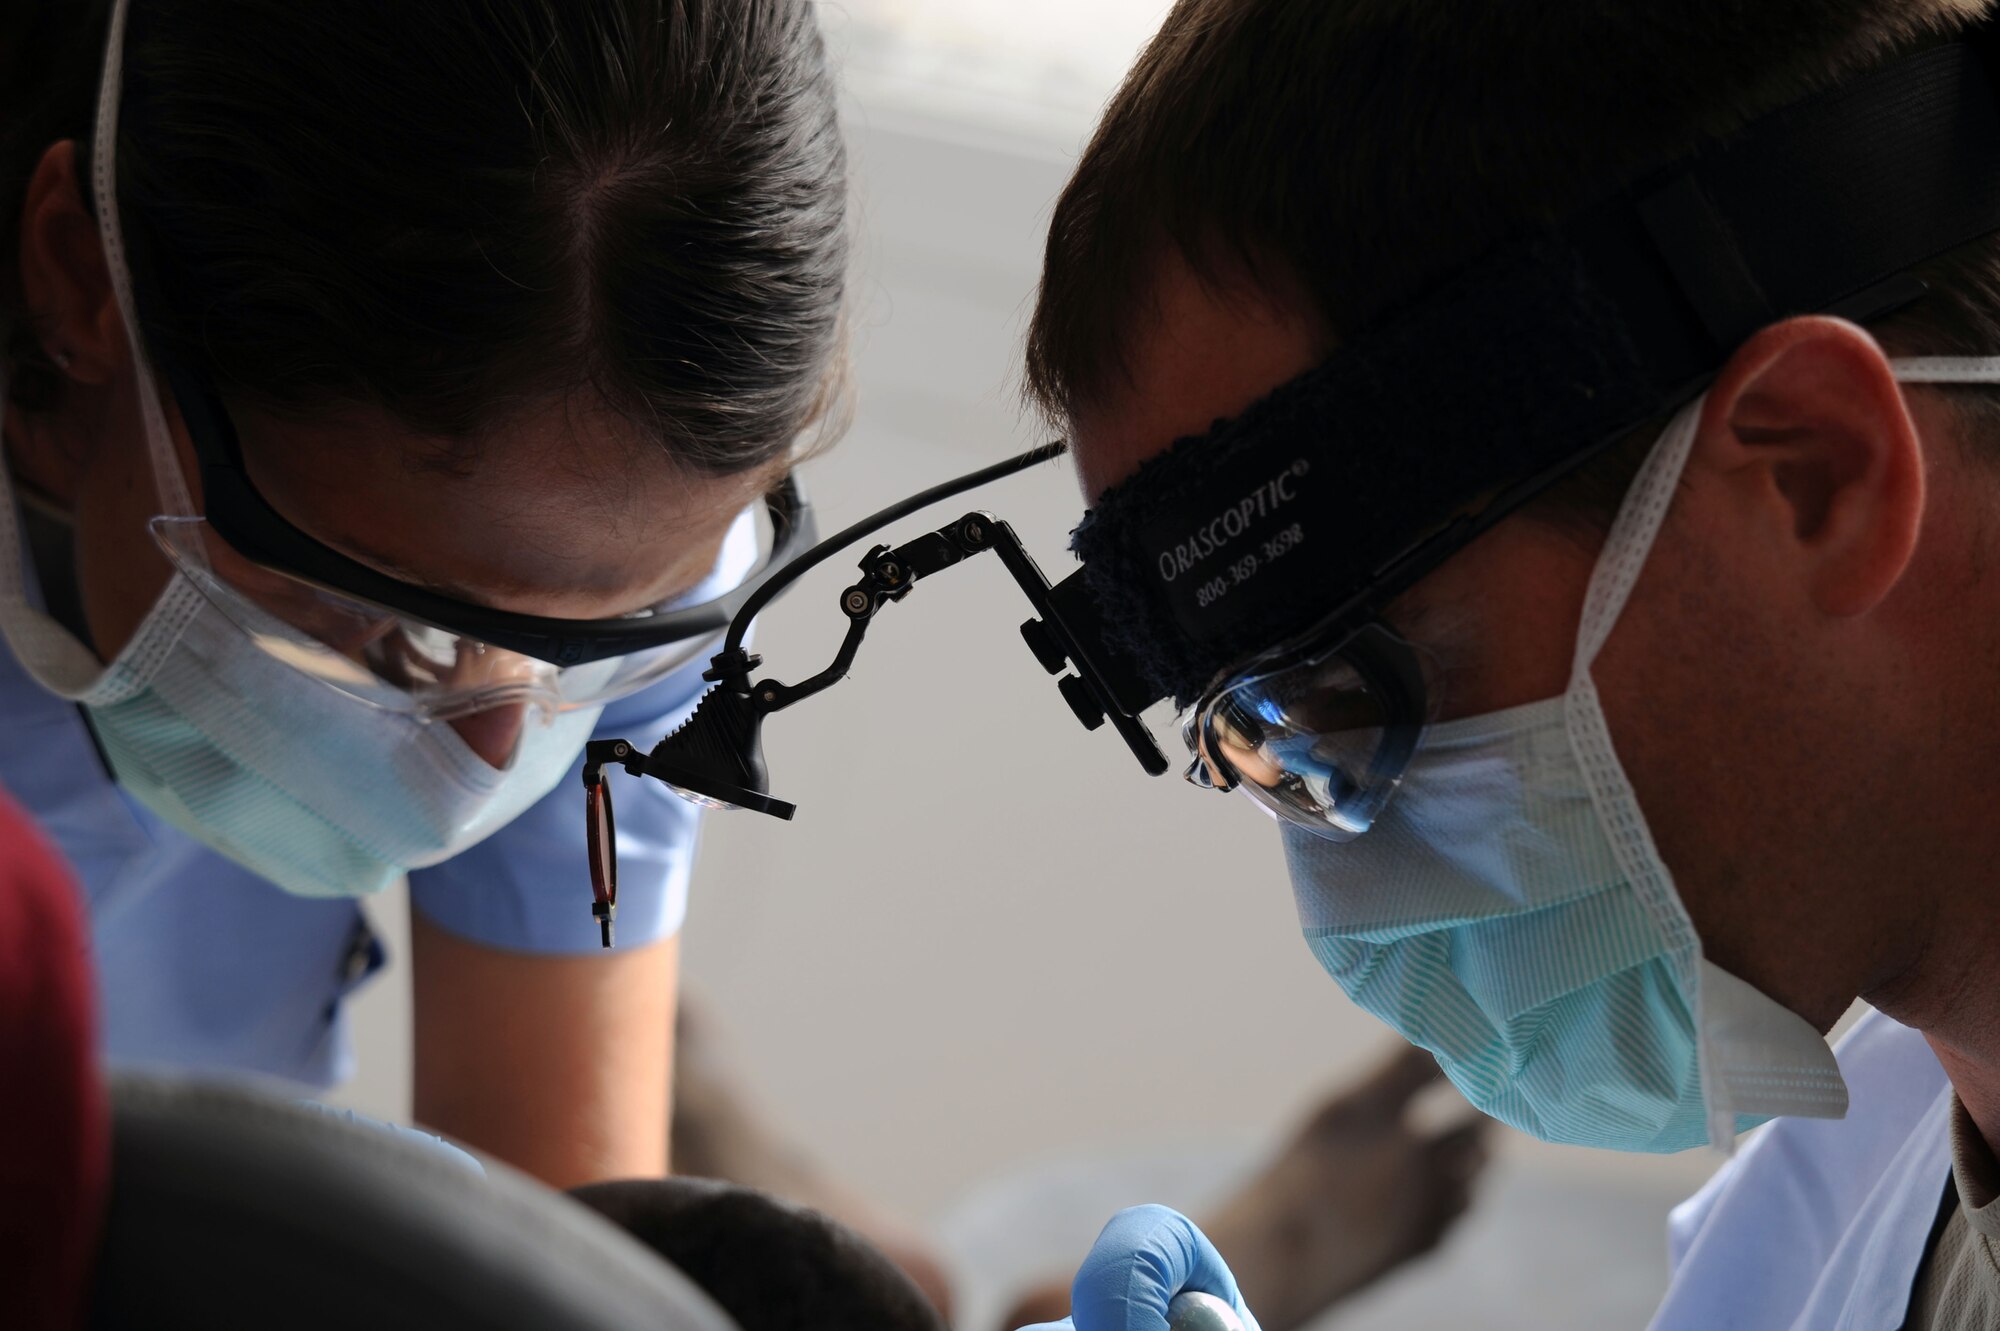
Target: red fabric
[(55, 1137)]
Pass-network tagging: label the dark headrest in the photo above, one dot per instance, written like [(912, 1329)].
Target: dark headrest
[(233, 1209)]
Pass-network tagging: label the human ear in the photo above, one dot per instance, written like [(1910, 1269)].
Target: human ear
[(1809, 428), (64, 279)]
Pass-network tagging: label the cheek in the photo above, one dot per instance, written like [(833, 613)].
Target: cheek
[(1705, 702), (120, 570), (1500, 619)]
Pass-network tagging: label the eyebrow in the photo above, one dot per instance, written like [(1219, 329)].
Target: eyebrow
[(484, 599), (442, 586)]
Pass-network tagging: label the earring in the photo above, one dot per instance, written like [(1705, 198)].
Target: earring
[(61, 358)]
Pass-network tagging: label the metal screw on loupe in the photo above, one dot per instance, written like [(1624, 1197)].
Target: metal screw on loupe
[(855, 601)]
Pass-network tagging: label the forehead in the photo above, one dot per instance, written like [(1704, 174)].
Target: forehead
[(1203, 348), (563, 511)]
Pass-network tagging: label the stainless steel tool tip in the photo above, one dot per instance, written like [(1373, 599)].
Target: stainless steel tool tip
[(1201, 1312)]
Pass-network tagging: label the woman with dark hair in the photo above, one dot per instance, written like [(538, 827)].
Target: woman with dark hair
[(395, 395)]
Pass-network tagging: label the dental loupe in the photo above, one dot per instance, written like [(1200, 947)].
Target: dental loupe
[(716, 757)]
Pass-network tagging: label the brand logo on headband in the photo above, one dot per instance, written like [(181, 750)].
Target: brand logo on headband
[(1232, 522)]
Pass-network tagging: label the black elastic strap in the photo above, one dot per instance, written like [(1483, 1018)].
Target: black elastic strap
[(1803, 210), (1701, 252), (1509, 375)]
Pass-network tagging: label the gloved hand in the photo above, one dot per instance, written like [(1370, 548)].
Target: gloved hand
[(1144, 1257)]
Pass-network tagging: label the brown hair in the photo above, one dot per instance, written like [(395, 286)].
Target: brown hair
[(1342, 152), (771, 1265), (445, 208)]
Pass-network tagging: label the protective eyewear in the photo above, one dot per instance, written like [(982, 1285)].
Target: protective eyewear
[(408, 648), (1318, 734)]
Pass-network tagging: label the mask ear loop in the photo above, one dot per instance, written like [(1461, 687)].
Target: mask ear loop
[(1626, 548), (180, 601), (1623, 558), (167, 478), (1947, 369)]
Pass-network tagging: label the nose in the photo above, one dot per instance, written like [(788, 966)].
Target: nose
[(494, 733)]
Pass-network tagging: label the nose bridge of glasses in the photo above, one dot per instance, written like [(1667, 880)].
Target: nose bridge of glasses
[(455, 676), (478, 665), (494, 733)]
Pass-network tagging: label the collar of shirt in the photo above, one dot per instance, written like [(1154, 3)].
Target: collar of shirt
[(1976, 1171)]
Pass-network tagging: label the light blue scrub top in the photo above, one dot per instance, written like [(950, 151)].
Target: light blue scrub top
[(203, 964)]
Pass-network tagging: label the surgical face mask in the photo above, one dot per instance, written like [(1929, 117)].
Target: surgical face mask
[(311, 787), (1508, 910), (315, 790)]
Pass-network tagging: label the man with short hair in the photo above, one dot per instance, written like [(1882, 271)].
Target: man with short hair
[(1551, 452)]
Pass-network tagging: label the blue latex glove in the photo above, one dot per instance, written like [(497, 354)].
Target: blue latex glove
[(1144, 1257)]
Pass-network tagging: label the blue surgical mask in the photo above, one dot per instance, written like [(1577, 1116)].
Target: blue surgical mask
[(1486, 917), (310, 787), (1509, 911)]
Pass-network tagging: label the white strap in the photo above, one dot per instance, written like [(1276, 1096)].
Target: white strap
[(167, 480), (1740, 1028), (1632, 534), (1631, 538), (50, 653), (1947, 369)]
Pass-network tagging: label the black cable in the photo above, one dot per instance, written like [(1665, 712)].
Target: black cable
[(847, 536)]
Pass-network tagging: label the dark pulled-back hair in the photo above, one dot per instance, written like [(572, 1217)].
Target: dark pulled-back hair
[(772, 1266), (1343, 153), (448, 209)]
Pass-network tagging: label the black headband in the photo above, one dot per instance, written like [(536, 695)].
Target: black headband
[(1349, 483)]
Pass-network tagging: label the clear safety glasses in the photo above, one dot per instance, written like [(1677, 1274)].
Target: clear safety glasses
[(396, 662), (1320, 733), (410, 649)]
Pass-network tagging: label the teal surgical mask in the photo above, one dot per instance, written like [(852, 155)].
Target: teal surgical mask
[(310, 787), (1486, 916), (1509, 911)]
